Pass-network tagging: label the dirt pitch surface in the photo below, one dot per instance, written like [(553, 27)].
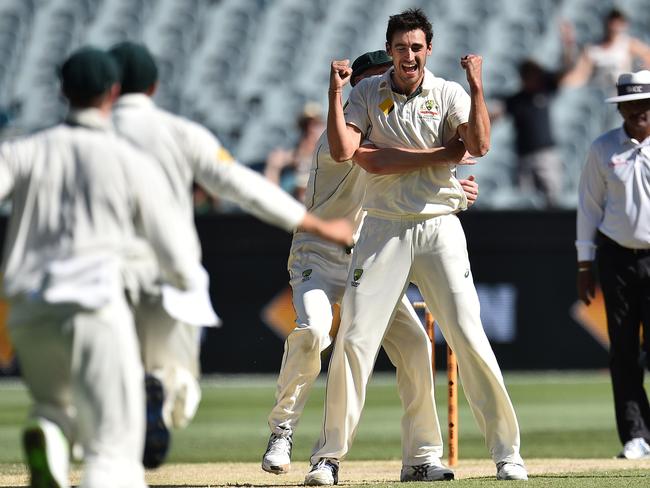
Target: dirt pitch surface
[(352, 472)]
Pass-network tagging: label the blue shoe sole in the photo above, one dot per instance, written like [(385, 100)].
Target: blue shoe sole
[(158, 438)]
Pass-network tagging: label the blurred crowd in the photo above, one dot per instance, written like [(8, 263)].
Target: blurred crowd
[(539, 166), (539, 170)]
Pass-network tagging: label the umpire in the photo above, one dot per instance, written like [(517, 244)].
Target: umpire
[(614, 220)]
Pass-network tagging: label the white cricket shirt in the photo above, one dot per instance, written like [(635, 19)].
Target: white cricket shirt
[(334, 190), (78, 193), (614, 193), (429, 118), (189, 152)]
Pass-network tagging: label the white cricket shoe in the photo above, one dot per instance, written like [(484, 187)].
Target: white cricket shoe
[(277, 458), (47, 454), (426, 472), (511, 471), (637, 448), (324, 472)]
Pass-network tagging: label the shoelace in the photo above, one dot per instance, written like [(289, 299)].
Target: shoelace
[(276, 443), (421, 470), (325, 463)]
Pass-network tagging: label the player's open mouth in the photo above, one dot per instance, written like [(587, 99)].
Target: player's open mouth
[(410, 68)]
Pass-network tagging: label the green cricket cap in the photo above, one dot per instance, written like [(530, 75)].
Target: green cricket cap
[(370, 60), (137, 66), (88, 72)]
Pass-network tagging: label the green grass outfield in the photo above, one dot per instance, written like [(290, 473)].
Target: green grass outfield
[(562, 415)]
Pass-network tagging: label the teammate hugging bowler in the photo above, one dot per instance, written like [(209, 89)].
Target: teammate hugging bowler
[(318, 273)]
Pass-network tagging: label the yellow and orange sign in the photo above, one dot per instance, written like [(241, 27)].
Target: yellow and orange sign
[(593, 318), (280, 315)]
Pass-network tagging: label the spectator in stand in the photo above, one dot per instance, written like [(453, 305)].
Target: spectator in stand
[(600, 64), (289, 168), (539, 165)]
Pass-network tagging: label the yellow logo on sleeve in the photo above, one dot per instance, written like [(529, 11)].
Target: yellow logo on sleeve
[(387, 106), (223, 156)]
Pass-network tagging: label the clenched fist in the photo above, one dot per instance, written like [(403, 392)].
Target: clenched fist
[(340, 73), (472, 64)]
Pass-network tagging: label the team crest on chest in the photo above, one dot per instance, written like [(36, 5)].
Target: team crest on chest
[(356, 276), (429, 110)]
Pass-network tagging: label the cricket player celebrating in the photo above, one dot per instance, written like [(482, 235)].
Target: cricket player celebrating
[(168, 321), (318, 272), (411, 234), (78, 193)]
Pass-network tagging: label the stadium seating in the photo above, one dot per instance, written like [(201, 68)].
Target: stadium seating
[(245, 68)]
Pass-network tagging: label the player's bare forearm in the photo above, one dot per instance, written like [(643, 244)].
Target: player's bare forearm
[(477, 137), (339, 231), (404, 160), (476, 133), (343, 140)]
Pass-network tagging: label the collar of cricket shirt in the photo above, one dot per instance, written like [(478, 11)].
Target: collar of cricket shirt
[(88, 117), (133, 100), (428, 83)]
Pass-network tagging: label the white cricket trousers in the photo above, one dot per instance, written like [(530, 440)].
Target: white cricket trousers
[(83, 371), (170, 351), (431, 253), (318, 274)]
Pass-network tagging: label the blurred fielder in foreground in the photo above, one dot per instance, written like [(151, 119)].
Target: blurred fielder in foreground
[(613, 226), (168, 320), (78, 193)]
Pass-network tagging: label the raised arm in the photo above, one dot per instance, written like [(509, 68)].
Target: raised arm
[(580, 73), (476, 132), (404, 160), (640, 50), (343, 139)]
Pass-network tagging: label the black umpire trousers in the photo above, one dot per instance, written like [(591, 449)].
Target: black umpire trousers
[(625, 281)]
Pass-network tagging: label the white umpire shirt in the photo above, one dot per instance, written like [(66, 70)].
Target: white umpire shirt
[(426, 119), (614, 193), (78, 192)]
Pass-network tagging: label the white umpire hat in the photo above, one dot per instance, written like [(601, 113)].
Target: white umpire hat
[(632, 86)]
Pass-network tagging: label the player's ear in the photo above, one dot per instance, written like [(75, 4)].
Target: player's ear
[(152, 89), (388, 50), (114, 92)]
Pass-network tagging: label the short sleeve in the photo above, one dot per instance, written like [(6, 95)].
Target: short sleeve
[(356, 108), (457, 103)]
